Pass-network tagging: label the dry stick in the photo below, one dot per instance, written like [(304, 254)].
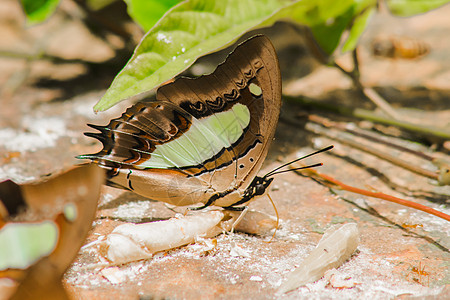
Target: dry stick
[(328, 123), (331, 182), (354, 74), (392, 159), (380, 102), (364, 114), (370, 93)]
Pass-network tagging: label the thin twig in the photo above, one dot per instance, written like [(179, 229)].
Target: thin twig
[(355, 60), (333, 183), (340, 126), (392, 159), (364, 114), (370, 93), (380, 102), (373, 151)]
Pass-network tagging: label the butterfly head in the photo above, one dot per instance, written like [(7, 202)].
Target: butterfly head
[(258, 187)]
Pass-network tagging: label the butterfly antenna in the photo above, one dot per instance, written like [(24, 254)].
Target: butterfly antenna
[(274, 171), (299, 168)]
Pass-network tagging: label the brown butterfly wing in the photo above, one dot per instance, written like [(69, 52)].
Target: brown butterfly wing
[(131, 139), (254, 62), (214, 165)]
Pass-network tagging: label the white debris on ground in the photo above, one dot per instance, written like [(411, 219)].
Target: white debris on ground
[(335, 247), (114, 275), (37, 133), (362, 273), (133, 211), (338, 280), (41, 133)]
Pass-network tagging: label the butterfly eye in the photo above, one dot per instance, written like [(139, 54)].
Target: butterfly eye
[(255, 90), (260, 189)]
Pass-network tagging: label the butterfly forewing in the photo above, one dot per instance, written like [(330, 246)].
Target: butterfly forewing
[(202, 137)]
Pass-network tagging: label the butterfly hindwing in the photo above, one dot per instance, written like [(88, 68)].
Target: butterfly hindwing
[(201, 138)]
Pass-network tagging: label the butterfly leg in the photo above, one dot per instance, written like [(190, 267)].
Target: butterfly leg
[(234, 206), (212, 199), (239, 219), (208, 203)]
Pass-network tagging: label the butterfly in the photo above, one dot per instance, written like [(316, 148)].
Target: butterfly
[(202, 140), (42, 227)]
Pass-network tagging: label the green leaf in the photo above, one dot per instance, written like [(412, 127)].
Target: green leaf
[(347, 15), (38, 11), (327, 19), (147, 12), (359, 25), (187, 31), (181, 36), (329, 34), (407, 8)]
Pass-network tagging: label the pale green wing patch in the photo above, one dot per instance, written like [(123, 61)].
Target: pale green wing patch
[(70, 212), (255, 89), (229, 126), (22, 244), (205, 138)]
